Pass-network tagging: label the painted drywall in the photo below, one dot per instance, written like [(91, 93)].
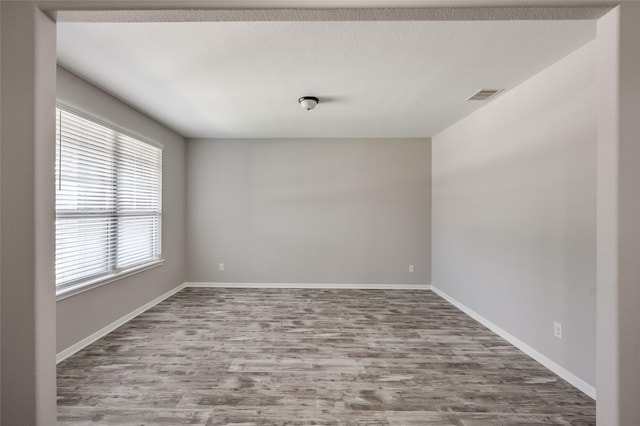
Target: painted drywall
[(0, 225), (514, 212), (309, 210), (83, 314), (28, 304), (607, 410), (618, 211)]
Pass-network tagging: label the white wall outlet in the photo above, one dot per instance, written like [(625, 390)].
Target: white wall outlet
[(220, 266), (557, 330), (412, 268)]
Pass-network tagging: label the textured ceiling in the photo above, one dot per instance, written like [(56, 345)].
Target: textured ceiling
[(374, 79)]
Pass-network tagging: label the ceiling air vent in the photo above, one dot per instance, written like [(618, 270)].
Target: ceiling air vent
[(484, 94)]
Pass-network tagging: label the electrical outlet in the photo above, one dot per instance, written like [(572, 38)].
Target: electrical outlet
[(412, 268), (220, 266), (557, 330)]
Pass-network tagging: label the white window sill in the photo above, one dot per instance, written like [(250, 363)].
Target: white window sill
[(90, 285)]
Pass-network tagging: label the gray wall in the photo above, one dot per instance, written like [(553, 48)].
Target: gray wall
[(514, 211), (27, 198), (618, 212), (83, 314), (309, 210)]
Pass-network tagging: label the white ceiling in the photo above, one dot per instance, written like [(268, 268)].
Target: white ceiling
[(374, 79)]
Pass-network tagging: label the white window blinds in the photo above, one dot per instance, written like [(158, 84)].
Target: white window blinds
[(108, 202)]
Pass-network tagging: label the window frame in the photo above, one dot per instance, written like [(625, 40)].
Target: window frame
[(81, 285)]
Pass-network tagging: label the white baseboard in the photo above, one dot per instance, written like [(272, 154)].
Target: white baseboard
[(542, 359), (313, 285), (61, 356)]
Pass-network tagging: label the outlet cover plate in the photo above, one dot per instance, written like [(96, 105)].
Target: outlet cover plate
[(557, 330)]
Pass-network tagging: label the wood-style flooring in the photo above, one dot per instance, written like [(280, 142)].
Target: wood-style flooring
[(210, 356)]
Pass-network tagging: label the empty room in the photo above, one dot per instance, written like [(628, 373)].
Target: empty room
[(308, 213)]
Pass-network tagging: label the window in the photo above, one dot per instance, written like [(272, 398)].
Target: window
[(108, 202)]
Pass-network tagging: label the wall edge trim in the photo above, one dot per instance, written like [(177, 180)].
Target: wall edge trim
[(556, 368)]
